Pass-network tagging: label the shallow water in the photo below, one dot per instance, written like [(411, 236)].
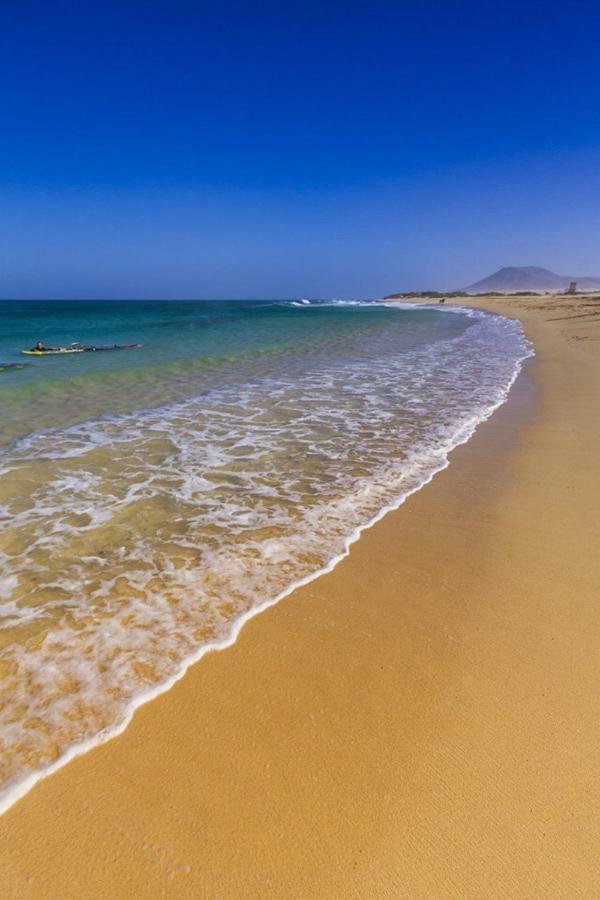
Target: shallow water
[(151, 498)]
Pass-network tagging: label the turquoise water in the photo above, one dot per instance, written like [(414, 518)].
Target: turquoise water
[(153, 499), (187, 347)]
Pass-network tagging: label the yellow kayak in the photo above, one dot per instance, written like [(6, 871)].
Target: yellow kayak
[(53, 350), (80, 348)]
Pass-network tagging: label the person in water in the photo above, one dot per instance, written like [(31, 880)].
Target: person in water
[(40, 347)]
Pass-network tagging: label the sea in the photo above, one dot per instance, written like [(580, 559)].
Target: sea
[(155, 498)]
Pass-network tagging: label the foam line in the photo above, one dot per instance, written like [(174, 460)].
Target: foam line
[(21, 787)]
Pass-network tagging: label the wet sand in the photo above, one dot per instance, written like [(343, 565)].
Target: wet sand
[(422, 722)]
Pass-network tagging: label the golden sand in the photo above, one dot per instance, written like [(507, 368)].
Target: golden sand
[(422, 722)]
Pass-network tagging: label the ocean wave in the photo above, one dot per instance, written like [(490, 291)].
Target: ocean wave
[(132, 544)]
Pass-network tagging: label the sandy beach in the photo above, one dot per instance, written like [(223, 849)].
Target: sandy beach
[(421, 722)]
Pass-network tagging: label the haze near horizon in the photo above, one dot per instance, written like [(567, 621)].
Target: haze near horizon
[(295, 149)]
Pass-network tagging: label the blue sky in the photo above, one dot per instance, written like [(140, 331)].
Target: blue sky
[(280, 149)]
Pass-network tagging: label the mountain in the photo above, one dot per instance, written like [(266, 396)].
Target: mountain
[(530, 278)]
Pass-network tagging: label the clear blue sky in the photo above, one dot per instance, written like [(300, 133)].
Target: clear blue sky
[(167, 149)]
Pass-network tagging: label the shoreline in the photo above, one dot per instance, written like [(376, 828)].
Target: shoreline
[(12, 794), (370, 582)]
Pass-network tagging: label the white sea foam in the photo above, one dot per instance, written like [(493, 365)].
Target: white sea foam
[(143, 541)]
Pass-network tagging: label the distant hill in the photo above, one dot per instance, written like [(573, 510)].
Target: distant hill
[(530, 278)]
